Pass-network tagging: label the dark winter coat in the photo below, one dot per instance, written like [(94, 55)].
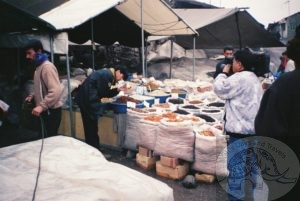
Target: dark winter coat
[(279, 113), (96, 86)]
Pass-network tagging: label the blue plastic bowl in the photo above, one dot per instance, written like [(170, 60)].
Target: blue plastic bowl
[(162, 99), (121, 108), (183, 95), (148, 99)]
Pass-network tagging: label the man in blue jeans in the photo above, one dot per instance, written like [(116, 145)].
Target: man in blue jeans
[(242, 92)]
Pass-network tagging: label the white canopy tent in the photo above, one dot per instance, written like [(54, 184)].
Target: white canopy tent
[(223, 26), (63, 15), (159, 18), (156, 18), (75, 12), (198, 18)]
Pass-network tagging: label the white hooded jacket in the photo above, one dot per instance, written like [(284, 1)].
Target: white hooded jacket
[(242, 92)]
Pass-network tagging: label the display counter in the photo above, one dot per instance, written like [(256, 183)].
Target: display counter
[(111, 127)]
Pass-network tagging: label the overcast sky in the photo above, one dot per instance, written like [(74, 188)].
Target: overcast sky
[(264, 11)]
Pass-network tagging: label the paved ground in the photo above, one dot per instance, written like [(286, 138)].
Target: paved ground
[(203, 192)]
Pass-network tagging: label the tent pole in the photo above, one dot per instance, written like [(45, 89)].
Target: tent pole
[(70, 98), (238, 29), (142, 36), (93, 44), (51, 48), (171, 59), (146, 52), (194, 46)]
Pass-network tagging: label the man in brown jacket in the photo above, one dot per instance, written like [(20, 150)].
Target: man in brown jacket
[(47, 89)]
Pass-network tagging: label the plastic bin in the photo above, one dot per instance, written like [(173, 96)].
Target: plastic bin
[(121, 108)]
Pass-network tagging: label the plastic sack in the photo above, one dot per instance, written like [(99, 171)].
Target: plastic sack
[(210, 152), (175, 141)]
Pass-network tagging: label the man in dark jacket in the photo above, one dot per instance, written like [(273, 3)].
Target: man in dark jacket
[(279, 113), (228, 56), (97, 85)]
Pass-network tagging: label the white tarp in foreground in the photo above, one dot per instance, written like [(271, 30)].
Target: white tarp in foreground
[(72, 170)]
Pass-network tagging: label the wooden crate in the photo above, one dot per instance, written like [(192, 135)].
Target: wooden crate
[(145, 152), (145, 162), (205, 178), (169, 161), (177, 173)]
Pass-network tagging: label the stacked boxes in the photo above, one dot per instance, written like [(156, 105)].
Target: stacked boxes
[(145, 158), (172, 168)]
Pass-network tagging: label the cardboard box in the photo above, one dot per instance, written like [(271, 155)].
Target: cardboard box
[(177, 173), (145, 152), (65, 127), (169, 161), (145, 162), (206, 178)]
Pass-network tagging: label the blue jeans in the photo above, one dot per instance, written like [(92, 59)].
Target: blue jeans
[(243, 168)]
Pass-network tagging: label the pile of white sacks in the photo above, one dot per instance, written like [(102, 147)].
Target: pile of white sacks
[(187, 126)]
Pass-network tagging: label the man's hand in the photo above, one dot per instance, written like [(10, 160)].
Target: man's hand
[(226, 68), (123, 88), (37, 111), (29, 98)]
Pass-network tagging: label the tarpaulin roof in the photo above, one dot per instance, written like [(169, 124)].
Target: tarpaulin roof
[(109, 27), (65, 14), (13, 19), (220, 27), (158, 17), (191, 4), (109, 24)]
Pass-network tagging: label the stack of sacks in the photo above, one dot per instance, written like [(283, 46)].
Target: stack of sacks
[(134, 116), (210, 151), (175, 138)]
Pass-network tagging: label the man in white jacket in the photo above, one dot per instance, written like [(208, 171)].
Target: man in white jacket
[(242, 92)]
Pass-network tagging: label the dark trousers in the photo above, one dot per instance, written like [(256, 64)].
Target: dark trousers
[(90, 125), (51, 119)]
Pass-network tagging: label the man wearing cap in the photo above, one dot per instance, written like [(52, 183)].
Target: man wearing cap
[(47, 89), (99, 84)]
